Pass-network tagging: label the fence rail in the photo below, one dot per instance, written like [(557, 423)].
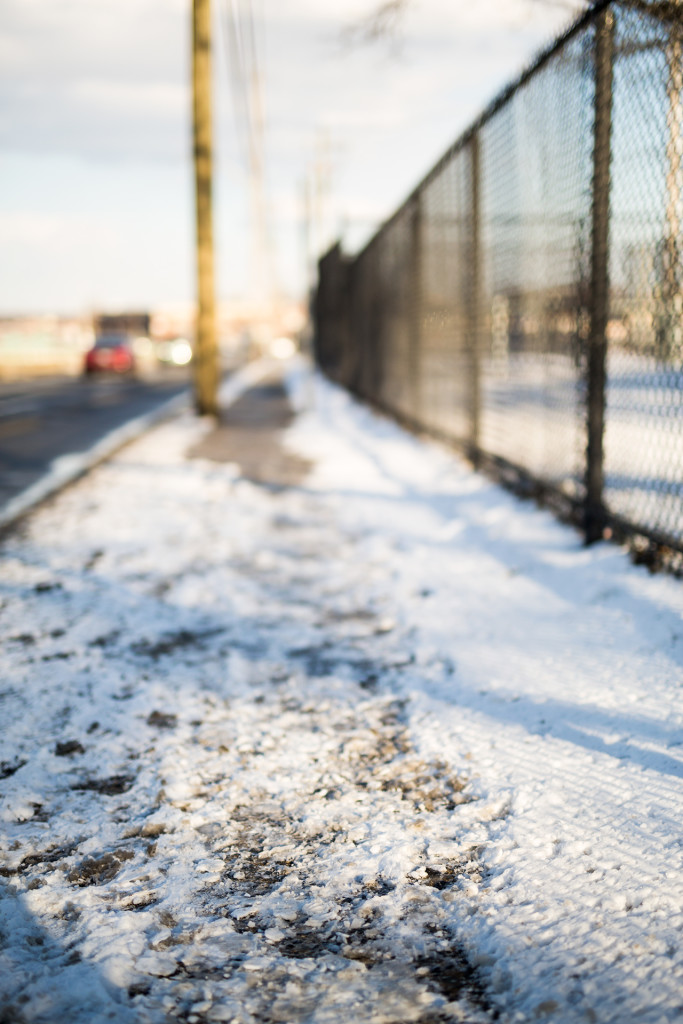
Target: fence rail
[(526, 301)]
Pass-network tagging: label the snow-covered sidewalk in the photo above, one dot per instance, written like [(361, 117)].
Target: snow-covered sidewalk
[(385, 745)]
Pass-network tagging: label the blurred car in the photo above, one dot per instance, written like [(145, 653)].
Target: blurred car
[(111, 353)]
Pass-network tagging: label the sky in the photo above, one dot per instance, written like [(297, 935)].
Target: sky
[(96, 202)]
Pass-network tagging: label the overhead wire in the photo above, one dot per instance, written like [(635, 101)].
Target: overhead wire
[(244, 46)]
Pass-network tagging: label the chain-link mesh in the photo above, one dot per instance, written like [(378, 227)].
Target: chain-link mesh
[(644, 436), (536, 157), (395, 255), (482, 311), (445, 232)]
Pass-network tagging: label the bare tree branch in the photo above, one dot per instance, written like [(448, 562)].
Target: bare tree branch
[(575, 6), (383, 24)]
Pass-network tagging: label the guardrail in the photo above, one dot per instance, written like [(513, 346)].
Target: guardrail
[(526, 301)]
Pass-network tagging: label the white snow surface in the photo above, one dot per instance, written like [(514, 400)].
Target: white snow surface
[(388, 746)]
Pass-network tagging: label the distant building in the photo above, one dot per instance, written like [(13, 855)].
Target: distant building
[(122, 323)]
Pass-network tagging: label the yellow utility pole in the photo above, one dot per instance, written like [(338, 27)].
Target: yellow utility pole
[(206, 351)]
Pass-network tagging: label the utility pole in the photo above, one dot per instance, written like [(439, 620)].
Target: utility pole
[(206, 352)]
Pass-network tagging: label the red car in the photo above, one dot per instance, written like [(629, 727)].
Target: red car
[(111, 353)]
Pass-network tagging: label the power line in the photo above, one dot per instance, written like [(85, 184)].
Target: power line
[(244, 45)]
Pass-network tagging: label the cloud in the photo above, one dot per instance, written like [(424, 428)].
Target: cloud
[(95, 79), (111, 78), (25, 228), (105, 83)]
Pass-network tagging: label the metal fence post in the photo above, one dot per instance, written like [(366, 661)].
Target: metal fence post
[(594, 516), (668, 340), (416, 286), (475, 299)]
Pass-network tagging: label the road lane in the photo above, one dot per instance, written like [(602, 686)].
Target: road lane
[(45, 419)]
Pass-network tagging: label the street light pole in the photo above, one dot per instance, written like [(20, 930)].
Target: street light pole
[(206, 352)]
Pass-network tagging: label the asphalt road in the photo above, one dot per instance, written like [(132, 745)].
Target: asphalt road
[(40, 420)]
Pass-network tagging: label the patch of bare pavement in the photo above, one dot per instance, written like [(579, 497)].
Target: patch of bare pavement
[(266, 849), (419, 972), (250, 435)]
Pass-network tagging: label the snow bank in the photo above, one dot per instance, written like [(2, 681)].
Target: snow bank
[(387, 746)]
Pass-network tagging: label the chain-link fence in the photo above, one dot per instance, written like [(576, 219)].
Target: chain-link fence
[(526, 301)]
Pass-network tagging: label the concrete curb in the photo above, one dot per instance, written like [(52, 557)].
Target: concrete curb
[(70, 468)]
